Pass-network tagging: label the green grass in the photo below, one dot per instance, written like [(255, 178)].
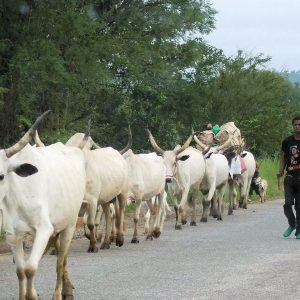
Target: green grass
[(268, 170)]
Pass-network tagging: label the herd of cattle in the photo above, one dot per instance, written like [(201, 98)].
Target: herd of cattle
[(43, 190)]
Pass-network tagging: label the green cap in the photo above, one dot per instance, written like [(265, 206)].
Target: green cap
[(216, 129)]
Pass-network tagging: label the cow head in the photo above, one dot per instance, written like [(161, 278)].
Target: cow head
[(171, 157), (23, 169)]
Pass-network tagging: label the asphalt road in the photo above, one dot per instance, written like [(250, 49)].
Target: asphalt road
[(242, 257)]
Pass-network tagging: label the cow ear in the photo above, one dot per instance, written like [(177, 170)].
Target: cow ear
[(243, 155), (183, 158), (25, 170)]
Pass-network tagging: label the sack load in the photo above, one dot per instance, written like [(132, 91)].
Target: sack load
[(222, 139), (229, 137)]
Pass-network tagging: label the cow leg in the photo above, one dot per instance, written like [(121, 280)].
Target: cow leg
[(113, 222), (181, 210), (98, 220), (206, 202), (158, 210), (91, 216), (230, 196), (64, 287), (39, 245), (135, 239), (215, 207), (243, 199), (152, 221), (212, 207), (163, 216), (220, 196), (205, 205), (106, 209), (120, 212), (146, 219), (192, 201), (18, 254)]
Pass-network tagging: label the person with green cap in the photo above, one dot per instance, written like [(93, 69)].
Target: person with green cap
[(216, 129), (290, 162)]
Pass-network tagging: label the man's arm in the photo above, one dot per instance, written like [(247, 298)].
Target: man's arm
[(282, 164)]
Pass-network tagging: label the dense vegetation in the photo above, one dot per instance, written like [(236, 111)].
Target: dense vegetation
[(144, 63)]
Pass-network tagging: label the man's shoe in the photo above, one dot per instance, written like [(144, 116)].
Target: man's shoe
[(288, 232), (297, 234)]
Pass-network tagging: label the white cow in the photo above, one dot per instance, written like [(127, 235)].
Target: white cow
[(107, 182), (213, 184), (41, 192), (146, 179), (243, 181), (185, 169)]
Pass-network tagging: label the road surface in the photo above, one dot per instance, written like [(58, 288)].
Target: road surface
[(242, 257)]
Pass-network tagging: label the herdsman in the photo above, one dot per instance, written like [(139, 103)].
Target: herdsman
[(290, 162)]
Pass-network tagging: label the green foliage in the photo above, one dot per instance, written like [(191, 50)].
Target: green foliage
[(143, 63)]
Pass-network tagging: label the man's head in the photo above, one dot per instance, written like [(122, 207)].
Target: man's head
[(296, 124), (296, 119)]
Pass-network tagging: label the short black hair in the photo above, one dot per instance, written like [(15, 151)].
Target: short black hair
[(297, 118)]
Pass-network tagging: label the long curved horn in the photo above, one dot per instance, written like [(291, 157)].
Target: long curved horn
[(27, 136), (154, 144), (185, 145), (86, 136), (37, 140), (95, 144), (203, 146), (129, 144)]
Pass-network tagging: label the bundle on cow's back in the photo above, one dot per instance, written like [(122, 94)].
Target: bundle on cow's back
[(229, 138)]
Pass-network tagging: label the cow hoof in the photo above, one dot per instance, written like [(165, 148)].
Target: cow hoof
[(193, 223), (203, 220), (234, 207), (240, 204), (93, 249), (219, 219), (183, 222), (53, 252), (245, 205), (156, 234), (215, 216), (135, 241), (230, 212), (68, 297), (178, 227), (119, 241), (104, 246), (149, 237)]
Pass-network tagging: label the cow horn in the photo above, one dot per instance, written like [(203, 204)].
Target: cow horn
[(203, 146), (185, 145), (95, 144), (129, 144), (154, 144), (27, 136), (86, 136), (37, 140)]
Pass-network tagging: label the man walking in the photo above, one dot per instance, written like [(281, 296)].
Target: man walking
[(290, 162)]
